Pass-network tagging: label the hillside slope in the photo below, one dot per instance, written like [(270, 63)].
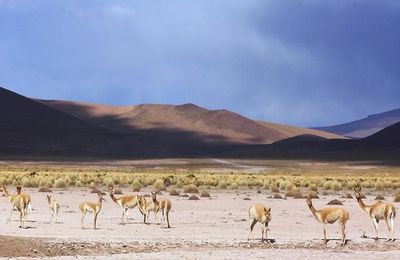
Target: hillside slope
[(216, 125), (30, 128), (365, 127)]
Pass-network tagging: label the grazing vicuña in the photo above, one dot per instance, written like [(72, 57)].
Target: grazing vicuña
[(330, 216), (262, 214), (377, 211)]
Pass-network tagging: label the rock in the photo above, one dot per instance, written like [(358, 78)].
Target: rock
[(380, 197), (118, 191), (95, 190), (334, 202), (173, 192), (349, 196), (299, 195), (45, 189), (246, 198), (277, 196), (193, 197), (205, 194)]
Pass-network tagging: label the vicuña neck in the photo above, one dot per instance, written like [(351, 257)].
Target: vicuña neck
[(155, 201), (113, 197), (313, 210), (6, 191), (363, 205)]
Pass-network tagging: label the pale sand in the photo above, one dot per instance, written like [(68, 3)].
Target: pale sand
[(213, 228)]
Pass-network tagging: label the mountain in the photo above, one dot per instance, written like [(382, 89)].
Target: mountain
[(365, 127), (381, 146), (169, 121), (63, 129), (388, 138), (48, 129), (30, 128)]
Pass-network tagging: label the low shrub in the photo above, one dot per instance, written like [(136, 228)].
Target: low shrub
[(191, 188), (159, 185), (60, 183)]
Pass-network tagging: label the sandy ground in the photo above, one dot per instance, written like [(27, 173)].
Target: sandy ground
[(213, 228)]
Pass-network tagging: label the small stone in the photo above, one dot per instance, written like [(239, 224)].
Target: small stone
[(193, 197), (334, 202)]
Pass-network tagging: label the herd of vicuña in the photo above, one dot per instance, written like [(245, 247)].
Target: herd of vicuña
[(257, 213)]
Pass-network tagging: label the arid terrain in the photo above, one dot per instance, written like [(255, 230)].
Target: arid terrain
[(214, 227)]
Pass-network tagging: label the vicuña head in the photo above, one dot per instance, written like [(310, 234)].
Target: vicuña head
[(357, 190), (378, 211)]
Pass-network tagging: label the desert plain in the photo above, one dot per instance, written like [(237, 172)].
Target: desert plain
[(214, 227)]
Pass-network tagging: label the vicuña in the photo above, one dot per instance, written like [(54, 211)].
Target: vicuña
[(11, 199), (329, 216), (262, 214), (378, 211), (54, 207), (91, 207), (125, 203)]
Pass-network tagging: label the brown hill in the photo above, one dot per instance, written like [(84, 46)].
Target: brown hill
[(214, 126), (30, 128)]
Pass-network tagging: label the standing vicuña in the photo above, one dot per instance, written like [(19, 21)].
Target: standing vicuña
[(125, 202), (92, 208), (262, 214), (377, 211), (330, 216), (21, 202), (54, 207), (11, 198), (164, 205)]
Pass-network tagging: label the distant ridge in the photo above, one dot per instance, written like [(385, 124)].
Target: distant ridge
[(61, 129), (218, 125), (366, 126)]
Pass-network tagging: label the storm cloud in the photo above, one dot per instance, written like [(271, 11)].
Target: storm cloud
[(304, 62)]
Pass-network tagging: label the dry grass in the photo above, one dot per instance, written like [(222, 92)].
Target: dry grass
[(190, 189), (159, 185), (285, 177)]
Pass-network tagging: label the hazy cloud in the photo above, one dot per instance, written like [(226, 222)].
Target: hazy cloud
[(305, 62)]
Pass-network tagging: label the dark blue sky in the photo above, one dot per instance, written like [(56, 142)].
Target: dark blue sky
[(304, 62)]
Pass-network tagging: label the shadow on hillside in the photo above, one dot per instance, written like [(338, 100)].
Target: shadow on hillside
[(39, 131)]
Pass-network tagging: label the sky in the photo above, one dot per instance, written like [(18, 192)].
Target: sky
[(299, 62)]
